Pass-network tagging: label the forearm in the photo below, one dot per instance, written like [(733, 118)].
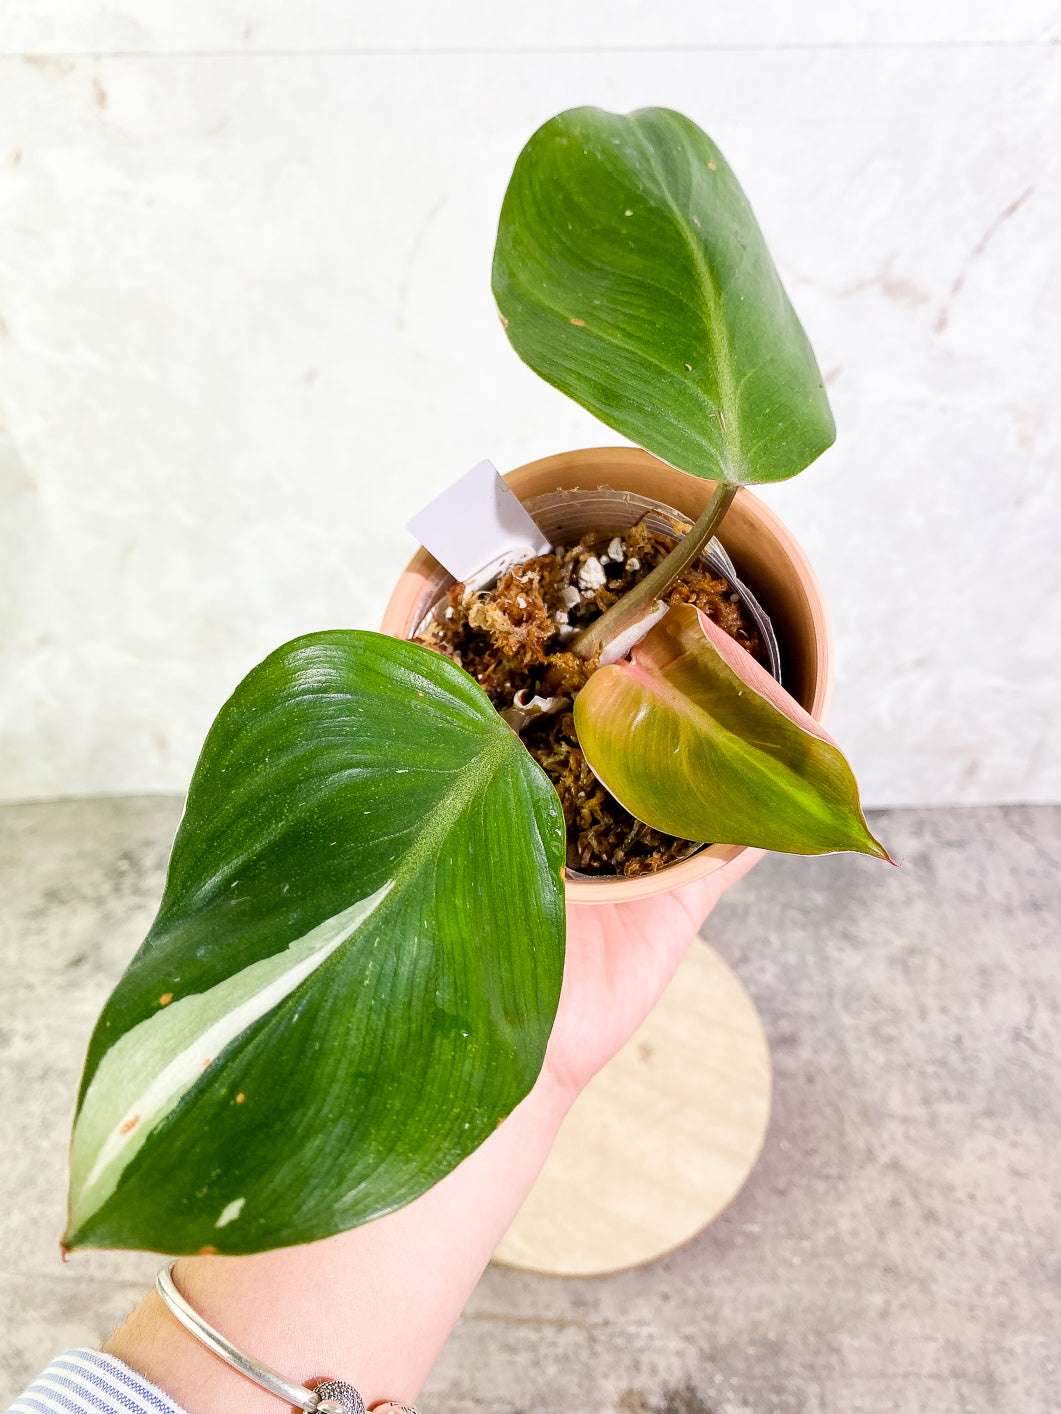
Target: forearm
[(373, 1306)]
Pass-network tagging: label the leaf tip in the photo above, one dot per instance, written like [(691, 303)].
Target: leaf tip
[(70, 1241), (879, 851)]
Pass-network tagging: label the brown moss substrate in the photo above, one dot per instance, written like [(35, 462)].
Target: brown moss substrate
[(512, 638)]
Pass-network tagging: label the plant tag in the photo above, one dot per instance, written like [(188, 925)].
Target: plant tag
[(477, 528)]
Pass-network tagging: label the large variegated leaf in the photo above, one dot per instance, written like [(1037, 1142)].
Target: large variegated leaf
[(631, 274), (354, 969), (696, 739)]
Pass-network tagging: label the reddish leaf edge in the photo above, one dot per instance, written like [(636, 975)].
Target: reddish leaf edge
[(659, 649)]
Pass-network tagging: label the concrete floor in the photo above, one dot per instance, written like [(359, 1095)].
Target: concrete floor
[(898, 1247)]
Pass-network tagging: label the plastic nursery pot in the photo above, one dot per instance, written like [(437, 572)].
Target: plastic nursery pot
[(608, 489)]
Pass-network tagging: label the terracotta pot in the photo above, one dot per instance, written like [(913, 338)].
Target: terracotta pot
[(613, 482)]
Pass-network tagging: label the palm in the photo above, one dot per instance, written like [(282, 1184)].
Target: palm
[(620, 957)]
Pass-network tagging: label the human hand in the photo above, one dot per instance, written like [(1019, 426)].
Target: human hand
[(376, 1304), (620, 958)]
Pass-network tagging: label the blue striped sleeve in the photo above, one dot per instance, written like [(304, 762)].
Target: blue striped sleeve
[(88, 1382)]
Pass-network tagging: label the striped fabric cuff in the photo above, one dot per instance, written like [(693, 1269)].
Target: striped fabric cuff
[(87, 1382)]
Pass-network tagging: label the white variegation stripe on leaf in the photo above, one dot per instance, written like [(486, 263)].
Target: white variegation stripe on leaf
[(150, 1069)]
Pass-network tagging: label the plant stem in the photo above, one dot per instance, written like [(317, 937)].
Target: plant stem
[(655, 584)]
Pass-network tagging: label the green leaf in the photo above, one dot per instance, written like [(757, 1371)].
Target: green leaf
[(354, 970), (631, 274), (696, 739)]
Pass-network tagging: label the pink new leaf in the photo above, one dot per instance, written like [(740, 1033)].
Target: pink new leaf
[(692, 736)]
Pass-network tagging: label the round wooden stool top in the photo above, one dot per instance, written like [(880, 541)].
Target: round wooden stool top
[(662, 1139)]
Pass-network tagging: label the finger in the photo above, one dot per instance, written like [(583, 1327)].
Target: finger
[(737, 868), (699, 898)]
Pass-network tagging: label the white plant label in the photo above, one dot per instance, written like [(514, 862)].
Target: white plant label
[(477, 528)]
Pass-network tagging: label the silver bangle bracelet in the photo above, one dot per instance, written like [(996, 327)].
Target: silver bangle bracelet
[(329, 1397)]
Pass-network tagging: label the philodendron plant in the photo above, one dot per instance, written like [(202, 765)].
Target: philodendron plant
[(357, 959)]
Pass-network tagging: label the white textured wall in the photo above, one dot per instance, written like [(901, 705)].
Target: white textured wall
[(246, 329)]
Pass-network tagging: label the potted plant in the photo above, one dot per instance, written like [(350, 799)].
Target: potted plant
[(358, 955), (614, 485)]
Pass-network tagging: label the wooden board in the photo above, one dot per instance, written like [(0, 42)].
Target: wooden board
[(661, 1141)]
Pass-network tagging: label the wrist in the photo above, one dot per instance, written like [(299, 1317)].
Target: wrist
[(550, 1098), (372, 1306)]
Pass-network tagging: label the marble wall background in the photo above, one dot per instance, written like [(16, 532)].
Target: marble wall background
[(246, 330)]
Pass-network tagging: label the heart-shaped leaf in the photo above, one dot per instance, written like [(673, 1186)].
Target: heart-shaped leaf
[(696, 739), (354, 970), (631, 274)]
